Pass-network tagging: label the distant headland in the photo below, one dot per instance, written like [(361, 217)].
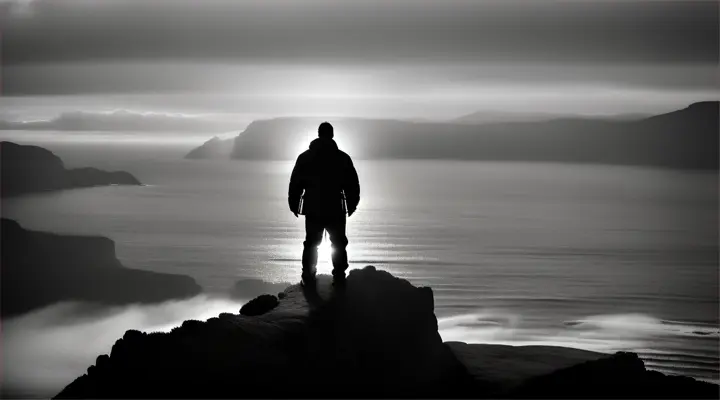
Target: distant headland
[(42, 268), (683, 139), (32, 169)]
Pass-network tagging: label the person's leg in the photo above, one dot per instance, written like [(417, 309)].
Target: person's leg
[(339, 241), (314, 228)]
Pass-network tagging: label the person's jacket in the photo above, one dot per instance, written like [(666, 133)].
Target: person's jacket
[(321, 174)]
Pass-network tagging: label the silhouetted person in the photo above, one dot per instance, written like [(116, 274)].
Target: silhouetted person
[(326, 182)]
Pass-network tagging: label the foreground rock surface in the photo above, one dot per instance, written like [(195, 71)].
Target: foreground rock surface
[(377, 337), (55, 268), (31, 169)]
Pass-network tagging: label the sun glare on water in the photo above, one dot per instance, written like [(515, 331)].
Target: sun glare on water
[(324, 265)]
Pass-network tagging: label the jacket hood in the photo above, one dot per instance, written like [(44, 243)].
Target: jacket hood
[(323, 144)]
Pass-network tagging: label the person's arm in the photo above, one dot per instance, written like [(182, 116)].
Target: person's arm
[(351, 187), (295, 188)]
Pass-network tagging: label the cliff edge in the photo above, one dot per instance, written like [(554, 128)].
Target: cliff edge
[(376, 337)]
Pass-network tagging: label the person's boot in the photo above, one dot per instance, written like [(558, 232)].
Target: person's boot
[(309, 262), (340, 265)]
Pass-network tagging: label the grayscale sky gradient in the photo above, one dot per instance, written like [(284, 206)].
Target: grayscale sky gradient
[(390, 58)]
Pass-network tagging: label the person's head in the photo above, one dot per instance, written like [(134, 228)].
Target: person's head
[(325, 131)]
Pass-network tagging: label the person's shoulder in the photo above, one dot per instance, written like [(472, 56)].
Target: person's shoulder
[(304, 155), (345, 156)]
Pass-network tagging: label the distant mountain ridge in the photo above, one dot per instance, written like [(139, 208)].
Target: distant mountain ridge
[(686, 139), (121, 120), (490, 117), (31, 169), (213, 148)]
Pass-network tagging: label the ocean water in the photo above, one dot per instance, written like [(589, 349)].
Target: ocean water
[(604, 258)]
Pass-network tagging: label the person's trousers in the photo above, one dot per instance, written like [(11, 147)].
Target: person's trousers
[(315, 226)]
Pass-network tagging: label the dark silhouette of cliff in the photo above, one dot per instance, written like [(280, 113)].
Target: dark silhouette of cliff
[(376, 337), (259, 305), (559, 372), (40, 268), (687, 138), (29, 169)]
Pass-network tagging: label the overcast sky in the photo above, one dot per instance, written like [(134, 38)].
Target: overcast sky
[(371, 57)]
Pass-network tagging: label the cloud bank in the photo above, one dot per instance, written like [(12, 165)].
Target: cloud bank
[(364, 31)]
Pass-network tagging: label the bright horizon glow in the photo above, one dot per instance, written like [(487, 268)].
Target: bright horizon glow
[(248, 92), (304, 143)]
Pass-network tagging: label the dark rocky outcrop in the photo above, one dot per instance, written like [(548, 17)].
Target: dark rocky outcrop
[(30, 169), (259, 305), (375, 337), (687, 138), (622, 375), (378, 337), (499, 369), (40, 268)]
